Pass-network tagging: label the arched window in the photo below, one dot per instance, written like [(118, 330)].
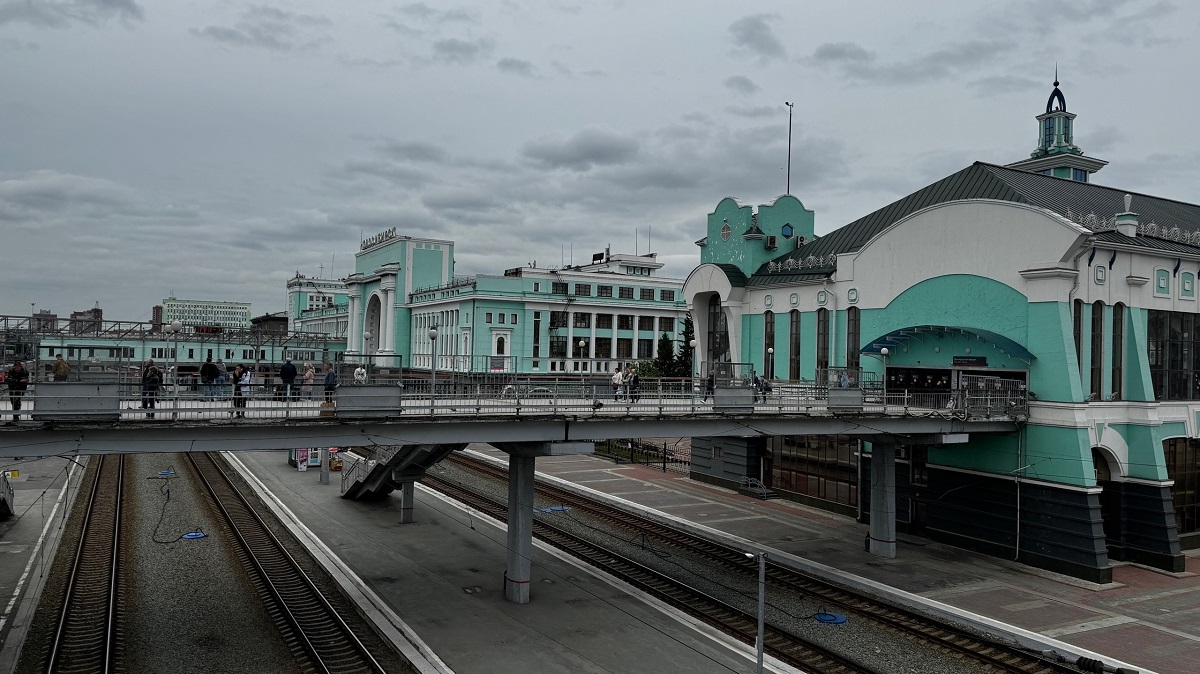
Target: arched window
[(822, 339), (794, 344), (1118, 349), (718, 332), (852, 334), (1097, 350), (1077, 320), (499, 346), (769, 344)]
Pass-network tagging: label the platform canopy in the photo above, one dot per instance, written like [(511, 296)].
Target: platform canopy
[(902, 336)]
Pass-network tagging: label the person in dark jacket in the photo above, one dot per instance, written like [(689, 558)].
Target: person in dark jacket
[(330, 382), (208, 377), (287, 375), (151, 383), (18, 381), (710, 385)]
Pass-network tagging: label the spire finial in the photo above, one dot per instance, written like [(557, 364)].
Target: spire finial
[(1056, 73)]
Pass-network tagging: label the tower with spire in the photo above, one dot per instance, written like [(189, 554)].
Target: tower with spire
[(1057, 154)]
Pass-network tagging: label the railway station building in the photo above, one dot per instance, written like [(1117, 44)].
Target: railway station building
[(1028, 277)]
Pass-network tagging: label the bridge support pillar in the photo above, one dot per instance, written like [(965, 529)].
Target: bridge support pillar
[(520, 527), (883, 500), (407, 499)]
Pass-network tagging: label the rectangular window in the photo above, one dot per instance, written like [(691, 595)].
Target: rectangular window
[(625, 293), (918, 465), (583, 289), (537, 287), (667, 296), (816, 466), (1182, 457), (794, 345), (624, 348), (558, 346), (666, 325), (603, 291), (647, 293), (645, 348), (558, 288), (501, 317), (582, 320), (852, 336), (191, 354), (487, 318), (558, 319), (624, 322), (604, 321), (1077, 326), (646, 323), (514, 319), (603, 347)]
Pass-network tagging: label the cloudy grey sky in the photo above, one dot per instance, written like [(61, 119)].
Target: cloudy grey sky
[(214, 147)]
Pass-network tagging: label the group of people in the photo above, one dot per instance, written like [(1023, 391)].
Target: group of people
[(627, 384), (760, 385), (214, 377)]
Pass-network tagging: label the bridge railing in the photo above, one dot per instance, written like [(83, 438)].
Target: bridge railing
[(126, 399)]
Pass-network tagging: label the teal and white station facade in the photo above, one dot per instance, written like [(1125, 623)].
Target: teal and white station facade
[(1028, 276)]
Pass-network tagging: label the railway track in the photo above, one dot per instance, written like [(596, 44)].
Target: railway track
[(731, 620), (85, 639), (311, 627), (955, 643)]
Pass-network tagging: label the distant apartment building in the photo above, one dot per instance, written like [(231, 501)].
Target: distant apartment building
[(206, 313), (317, 305)]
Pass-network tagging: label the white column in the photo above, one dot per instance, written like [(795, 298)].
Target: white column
[(353, 331), (883, 500), (388, 340)]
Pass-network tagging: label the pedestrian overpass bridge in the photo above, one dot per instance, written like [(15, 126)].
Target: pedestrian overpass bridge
[(406, 429)]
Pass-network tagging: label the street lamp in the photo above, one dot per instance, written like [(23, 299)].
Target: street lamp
[(692, 344), (433, 334), (789, 171), (762, 601), (770, 362), (582, 356), (174, 329), (366, 344)]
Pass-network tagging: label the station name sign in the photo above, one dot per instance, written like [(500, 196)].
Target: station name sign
[(385, 235), (969, 361)]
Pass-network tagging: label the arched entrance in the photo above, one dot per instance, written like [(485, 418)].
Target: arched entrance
[(1106, 466), (371, 325)]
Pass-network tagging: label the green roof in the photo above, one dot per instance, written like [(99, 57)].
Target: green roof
[(988, 181)]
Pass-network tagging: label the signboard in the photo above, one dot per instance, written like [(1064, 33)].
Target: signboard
[(302, 460), (969, 361)]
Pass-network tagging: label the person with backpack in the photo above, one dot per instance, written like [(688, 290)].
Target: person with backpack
[(287, 376), (208, 377), (151, 382), (18, 382)]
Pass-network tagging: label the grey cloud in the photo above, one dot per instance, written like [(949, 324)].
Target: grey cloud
[(753, 112), (270, 28), (460, 52), (515, 66), (51, 14), (18, 45), (423, 12), (588, 148), (417, 150), (856, 63), (754, 35), (391, 172), (1004, 84), (1100, 139), (741, 84)]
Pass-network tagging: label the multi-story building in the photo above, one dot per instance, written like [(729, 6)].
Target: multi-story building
[(318, 305), (1081, 296), (206, 313)]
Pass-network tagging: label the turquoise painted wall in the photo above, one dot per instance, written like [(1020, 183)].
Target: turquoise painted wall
[(1138, 385), (427, 269), (749, 254), (394, 252)]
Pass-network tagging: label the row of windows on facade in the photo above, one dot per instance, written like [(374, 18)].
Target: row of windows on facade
[(718, 335), (1162, 283), (560, 319), (126, 352), (623, 292), (564, 347), (1174, 354)]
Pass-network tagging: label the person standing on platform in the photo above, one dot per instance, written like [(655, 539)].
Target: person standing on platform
[(18, 381), (330, 382), (287, 375), (151, 383), (208, 377), (710, 385), (222, 378), (617, 380), (633, 385), (310, 374), (62, 369), (241, 390)]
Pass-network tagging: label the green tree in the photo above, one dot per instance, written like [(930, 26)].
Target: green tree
[(665, 361), (683, 362)]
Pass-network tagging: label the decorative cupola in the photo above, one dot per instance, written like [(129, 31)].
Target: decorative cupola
[(1056, 154), (1127, 222)]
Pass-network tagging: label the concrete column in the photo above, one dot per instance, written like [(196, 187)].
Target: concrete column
[(407, 500), (883, 500), (388, 338), (520, 527)]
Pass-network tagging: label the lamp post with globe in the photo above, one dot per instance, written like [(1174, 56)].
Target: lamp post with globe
[(433, 335), (173, 329)]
